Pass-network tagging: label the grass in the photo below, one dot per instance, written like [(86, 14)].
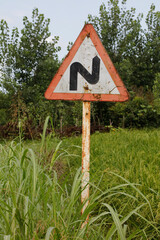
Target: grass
[(40, 184), (126, 157)]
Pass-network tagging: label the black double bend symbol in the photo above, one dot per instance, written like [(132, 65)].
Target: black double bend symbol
[(77, 67)]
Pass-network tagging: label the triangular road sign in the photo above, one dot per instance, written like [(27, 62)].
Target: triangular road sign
[(87, 73)]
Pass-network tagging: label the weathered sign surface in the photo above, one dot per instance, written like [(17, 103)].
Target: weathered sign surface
[(87, 73)]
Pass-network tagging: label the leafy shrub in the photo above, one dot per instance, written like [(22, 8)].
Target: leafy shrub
[(134, 113), (156, 92), (3, 116)]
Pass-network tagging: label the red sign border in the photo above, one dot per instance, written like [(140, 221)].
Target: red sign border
[(88, 31)]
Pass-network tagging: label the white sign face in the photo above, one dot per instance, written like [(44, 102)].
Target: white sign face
[(86, 73)]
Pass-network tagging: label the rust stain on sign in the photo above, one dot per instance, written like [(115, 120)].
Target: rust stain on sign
[(97, 96), (88, 35), (86, 88)]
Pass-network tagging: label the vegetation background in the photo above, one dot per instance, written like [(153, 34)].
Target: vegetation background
[(41, 187), (40, 180), (28, 63)]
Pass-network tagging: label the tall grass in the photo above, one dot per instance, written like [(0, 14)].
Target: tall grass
[(127, 157), (33, 204), (36, 202)]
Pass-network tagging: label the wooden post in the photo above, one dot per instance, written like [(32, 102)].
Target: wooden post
[(85, 156)]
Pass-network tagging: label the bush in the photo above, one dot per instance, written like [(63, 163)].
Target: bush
[(3, 116), (135, 113)]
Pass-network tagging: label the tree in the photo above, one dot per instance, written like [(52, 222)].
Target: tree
[(28, 62), (133, 50), (122, 36), (152, 46), (156, 92), (25, 58)]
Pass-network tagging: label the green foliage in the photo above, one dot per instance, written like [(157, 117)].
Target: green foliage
[(3, 116), (135, 113), (4, 108), (125, 164), (156, 92), (30, 59), (28, 62), (77, 113), (39, 201), (134, 51), (121, 34), (37, 204), (26, 53)]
